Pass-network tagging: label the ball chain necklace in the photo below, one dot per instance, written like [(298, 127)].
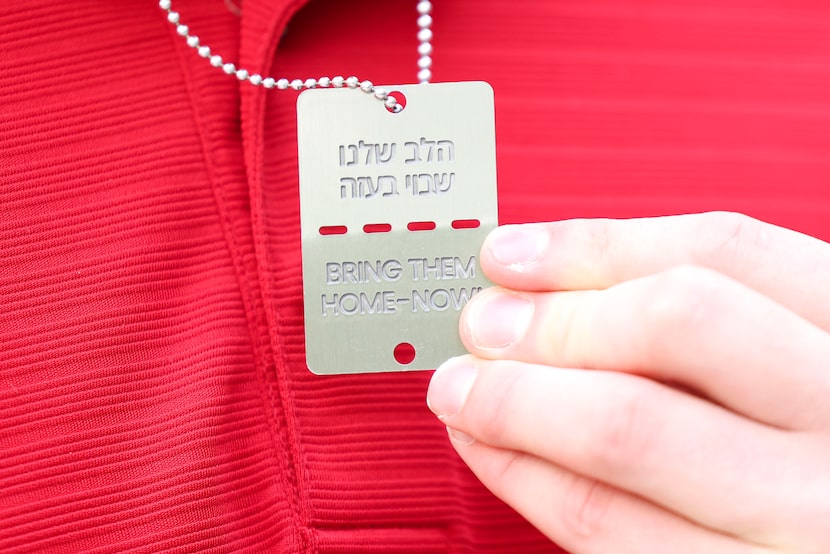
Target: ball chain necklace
[(424, 8), (394, 206)]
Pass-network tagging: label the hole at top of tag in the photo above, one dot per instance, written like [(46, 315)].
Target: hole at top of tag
[(399, 96), (404, 353)]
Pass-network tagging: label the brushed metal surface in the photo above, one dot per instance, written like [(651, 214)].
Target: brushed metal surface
[(367, 292)]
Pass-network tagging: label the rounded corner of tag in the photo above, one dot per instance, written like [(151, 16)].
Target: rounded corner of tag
[(488, 90), (304, 98), (314, 369), (486, 85)]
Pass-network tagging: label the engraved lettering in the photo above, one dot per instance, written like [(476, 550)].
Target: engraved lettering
[(383, 186), (368, 153), (329, 305), (461, 296), (416, 152), (443, 182), (381, 155), (420, 303), (350, 272), (367, 187), (467, 271), (447, 145), (363, 271), (423, 184), (369, 148), (372, 273), (424, 179), (442, 268), (392, 270), (349, 303), (428, 144), (439, 300), (332, 273), (347, 183), (389, 181)]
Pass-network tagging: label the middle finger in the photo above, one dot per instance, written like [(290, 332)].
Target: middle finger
[(690, 326)]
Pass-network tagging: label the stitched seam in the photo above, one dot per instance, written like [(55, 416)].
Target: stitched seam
[(260, 351), (307, 534)]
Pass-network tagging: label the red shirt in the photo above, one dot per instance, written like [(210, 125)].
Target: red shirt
[(153, 388)]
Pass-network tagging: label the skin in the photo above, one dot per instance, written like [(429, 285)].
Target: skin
[(652, 385)]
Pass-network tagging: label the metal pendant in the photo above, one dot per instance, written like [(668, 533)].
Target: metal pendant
[(394, 208)]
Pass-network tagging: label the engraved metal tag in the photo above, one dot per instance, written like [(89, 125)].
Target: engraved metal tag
[(394, 209)]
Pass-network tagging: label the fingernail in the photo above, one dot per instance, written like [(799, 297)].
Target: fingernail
[(460, 436), (498, 319), (515, 246), (450, 386)]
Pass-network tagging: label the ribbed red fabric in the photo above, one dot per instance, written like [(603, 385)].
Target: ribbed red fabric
[(153, 390)]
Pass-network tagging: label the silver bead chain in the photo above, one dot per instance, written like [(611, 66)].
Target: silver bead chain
[(424, 61)]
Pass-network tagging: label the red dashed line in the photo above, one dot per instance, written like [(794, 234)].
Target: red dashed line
[(414, 226)]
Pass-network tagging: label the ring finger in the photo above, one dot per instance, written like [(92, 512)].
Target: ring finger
[(687, 325)]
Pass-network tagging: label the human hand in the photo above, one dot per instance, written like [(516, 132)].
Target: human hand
[(703, 424)]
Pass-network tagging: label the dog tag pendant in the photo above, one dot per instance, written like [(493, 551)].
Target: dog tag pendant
[(394, 208)]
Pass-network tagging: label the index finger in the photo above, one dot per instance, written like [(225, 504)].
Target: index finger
[(791, 268)]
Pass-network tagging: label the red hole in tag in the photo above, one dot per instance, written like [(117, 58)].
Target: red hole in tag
[(333, 230), (466, 224), (377, 228), (421, 226), (404, 353), (399, 96)]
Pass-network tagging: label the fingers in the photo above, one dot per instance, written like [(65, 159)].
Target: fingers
[(789, 267), (583, 515), (676, 450), (688, 325)]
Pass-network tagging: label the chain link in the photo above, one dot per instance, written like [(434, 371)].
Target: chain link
[(424, 61)]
